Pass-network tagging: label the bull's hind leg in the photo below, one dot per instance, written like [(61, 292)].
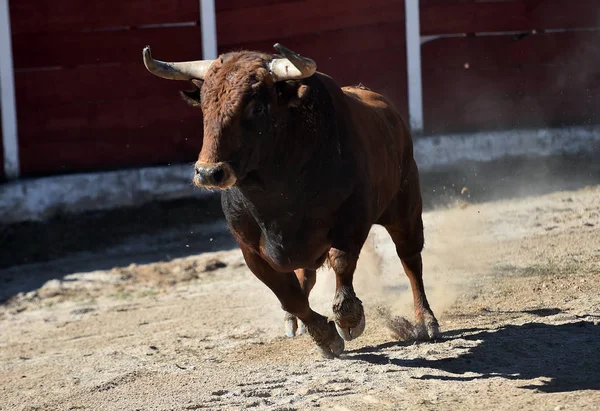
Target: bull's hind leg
[(307, 280), (294, 300), (348, 310), (409, 243)]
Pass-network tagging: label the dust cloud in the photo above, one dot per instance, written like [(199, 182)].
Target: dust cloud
[(380, 281)]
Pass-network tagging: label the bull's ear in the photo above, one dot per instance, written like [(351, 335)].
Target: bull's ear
[(192, 97), (293, 92)]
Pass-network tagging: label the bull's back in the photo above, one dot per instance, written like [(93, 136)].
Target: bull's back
[(383, 143)]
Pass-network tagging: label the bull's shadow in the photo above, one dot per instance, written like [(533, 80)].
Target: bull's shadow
[(32, 253), (566, 355)]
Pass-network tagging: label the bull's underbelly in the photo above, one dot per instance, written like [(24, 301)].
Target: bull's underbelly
[(287, 252)]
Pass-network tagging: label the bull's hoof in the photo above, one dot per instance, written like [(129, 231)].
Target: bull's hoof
[(333, 347), (348, 314), (427, 327), (350, 333), (293, 326), (328, 341)]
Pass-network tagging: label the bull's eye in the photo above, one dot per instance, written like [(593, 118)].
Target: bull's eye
[(258, 110)]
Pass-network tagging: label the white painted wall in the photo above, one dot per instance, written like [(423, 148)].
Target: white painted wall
[(208, 26), (45, 197), (10, 140)]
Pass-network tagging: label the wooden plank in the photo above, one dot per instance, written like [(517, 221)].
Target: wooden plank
[(123, 46), (537, 81), (46, 16), (527, 112), (530, 96), (560, 14), (550, 74), (134, 151), (423, 3), (222, 5), (507, 51), (95, 119), (106, 134), (323, 45), (453, 17), (302, 17), (472, 17), (92, 83)]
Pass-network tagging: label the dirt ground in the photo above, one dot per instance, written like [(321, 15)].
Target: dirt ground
[(154, 308)]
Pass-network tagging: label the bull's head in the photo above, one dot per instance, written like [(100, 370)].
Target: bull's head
[(242, 95)]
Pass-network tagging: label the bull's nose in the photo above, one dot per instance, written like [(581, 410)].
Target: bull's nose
[(219, 175), (210, 175)]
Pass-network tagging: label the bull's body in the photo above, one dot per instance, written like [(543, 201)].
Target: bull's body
[(323, 167), (325, 188)]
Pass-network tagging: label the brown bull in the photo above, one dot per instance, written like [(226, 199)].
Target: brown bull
[(306, 169)]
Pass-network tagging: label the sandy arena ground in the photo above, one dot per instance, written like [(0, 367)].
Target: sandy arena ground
[(515, 284)]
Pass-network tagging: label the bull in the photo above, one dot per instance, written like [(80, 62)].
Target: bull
[(306, 167)]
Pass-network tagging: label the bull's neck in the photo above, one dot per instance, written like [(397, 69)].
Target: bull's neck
[(296, 166), (308, 160)]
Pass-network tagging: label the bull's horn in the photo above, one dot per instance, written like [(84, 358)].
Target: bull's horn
[(293, 67), (186, 70)]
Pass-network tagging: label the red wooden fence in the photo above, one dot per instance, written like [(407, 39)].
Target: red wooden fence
[(354, 41), (85, 101), (483, 82)]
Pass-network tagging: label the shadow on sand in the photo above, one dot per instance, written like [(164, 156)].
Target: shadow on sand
[(35, 252), (566, 356)]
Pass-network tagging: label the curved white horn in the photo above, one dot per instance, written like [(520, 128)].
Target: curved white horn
[(292, 67), (186, 70)]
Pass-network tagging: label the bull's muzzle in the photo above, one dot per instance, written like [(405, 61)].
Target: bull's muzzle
[(216, 175)]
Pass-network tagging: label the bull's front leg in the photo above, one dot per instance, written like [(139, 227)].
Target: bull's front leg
[(307, 280), (294, 300), (348, 310)]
